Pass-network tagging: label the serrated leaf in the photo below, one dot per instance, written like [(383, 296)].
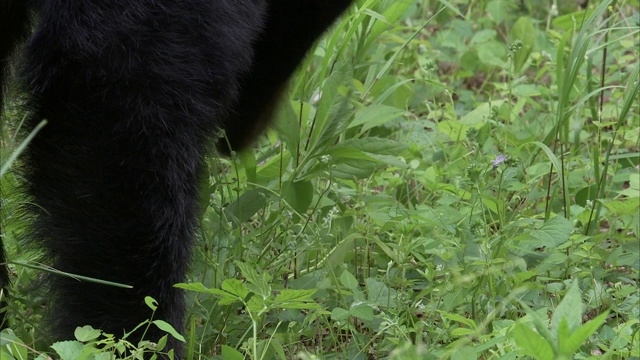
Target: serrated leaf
[(553, 232), (68, 350), (225, 297), (627, 206), (295, 295), (250, 273), (257, 305), (235, 287)]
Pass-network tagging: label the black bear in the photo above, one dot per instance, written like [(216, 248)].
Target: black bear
[(134, 93)]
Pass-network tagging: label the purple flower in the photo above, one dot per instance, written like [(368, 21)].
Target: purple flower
[(499, 160)]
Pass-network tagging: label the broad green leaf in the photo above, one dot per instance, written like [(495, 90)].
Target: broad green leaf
[(86, 333), (553, 232), (348, 280), (464, 353), (362, 312), (567, 22), (563, 334), (229, 353), (246, 206), (582, 334), (454, 129), (68, 350), (296, 299), (462, 332), (570, 309), (258, 305), (298, 194), (11, 347), (531, 343), (235, 287), (524, 31), (380, 294), (628, 206), (338, 314), (374, 145), (479, 116), (375, 115)]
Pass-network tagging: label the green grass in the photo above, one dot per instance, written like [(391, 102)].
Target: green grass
[(448, 180)]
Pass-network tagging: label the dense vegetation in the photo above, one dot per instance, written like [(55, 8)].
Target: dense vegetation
[(449, 179)]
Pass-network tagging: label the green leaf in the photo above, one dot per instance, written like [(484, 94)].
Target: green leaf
[(338, 314), (464, 353), (295, 295), (257, 305), (390, 15), (251, 274), (235, 287), (362, 312), (151, 303), (380, 294), (298, 194), (375, 115), (246, 206), (553, 232), (562, 335), (166, 327), (229, 353), (296, 299), (348, 280), (461, 319), (479, 116), (374, 145), (454, 129), (86, 333), (581, 335), (531, 343), (619, 207), (68, 350), (524, 31), (12, 347), (570, 309)]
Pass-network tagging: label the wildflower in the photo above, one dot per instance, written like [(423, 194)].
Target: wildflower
[(499, 160)]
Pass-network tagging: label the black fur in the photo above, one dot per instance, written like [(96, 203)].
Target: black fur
[(134, 91)]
